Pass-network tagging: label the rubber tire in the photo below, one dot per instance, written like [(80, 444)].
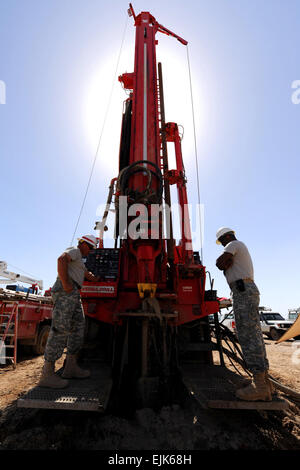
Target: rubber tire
[(39, 347), (274, 334)]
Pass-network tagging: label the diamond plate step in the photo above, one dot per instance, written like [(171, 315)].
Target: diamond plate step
[(214, 387), (91, 394)]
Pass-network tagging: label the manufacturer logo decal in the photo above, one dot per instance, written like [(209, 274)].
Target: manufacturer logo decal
[(99, 289)]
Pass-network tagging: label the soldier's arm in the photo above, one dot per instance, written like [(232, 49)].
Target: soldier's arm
[(62, 269), (224, 261)]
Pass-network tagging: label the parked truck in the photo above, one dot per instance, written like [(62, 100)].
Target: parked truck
[(273, 325), (25, 316)]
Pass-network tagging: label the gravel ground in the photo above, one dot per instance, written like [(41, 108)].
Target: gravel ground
[(185, 427)]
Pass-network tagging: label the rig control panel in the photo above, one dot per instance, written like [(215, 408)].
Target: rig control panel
[(105, 264)]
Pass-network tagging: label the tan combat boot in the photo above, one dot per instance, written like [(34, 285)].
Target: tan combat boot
[(49, 379), (72, 370), (245, 382), (258, 391)]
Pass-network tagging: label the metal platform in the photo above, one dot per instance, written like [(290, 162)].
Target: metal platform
[(215, 387), (89, 394)]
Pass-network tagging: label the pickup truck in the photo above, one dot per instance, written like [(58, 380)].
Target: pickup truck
[(273, 325), (229, 321), (34, 318)]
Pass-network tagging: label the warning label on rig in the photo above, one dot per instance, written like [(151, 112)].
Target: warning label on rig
[(187, 288), (99, 289)]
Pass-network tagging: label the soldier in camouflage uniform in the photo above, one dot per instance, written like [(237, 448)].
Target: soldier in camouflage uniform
[(245, 307), (237, 266), (68, 321)]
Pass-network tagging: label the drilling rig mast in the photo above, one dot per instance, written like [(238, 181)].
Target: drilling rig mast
[(150, 307)]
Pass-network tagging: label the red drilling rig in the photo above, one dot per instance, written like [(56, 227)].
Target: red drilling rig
[(148, 318), (150, 287)]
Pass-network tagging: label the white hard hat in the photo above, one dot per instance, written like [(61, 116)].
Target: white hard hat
[(90, 239), (222, 231)]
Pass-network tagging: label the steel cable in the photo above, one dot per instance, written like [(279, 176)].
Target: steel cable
[(196, 152), (101, 133)]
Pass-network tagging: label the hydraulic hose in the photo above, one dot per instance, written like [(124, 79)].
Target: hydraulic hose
[(286, 390), (137, 167), (226, 333)]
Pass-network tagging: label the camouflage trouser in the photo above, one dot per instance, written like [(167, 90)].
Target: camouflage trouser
[(68, 323), (245, 307)]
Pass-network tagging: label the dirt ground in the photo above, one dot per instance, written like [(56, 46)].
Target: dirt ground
[(186, 427)]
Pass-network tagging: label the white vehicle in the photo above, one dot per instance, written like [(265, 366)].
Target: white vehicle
[(229, 321), (273, 325)]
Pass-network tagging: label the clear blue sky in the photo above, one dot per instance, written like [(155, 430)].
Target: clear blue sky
[(58, 62)]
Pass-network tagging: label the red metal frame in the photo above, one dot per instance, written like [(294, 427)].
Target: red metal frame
[(30, 315), (178, 176), (146, 260)]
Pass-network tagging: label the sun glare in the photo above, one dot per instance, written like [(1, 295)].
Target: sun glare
[(102, 115), (103, 103)]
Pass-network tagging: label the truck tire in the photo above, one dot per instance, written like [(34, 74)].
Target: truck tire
[(275, 334), (39, 347)]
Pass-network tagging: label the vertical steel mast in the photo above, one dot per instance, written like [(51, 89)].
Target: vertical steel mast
[(145, 139), (142, 180)]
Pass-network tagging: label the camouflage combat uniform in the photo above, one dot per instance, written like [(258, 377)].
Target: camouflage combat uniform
[(245, 307), (68, 323)]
